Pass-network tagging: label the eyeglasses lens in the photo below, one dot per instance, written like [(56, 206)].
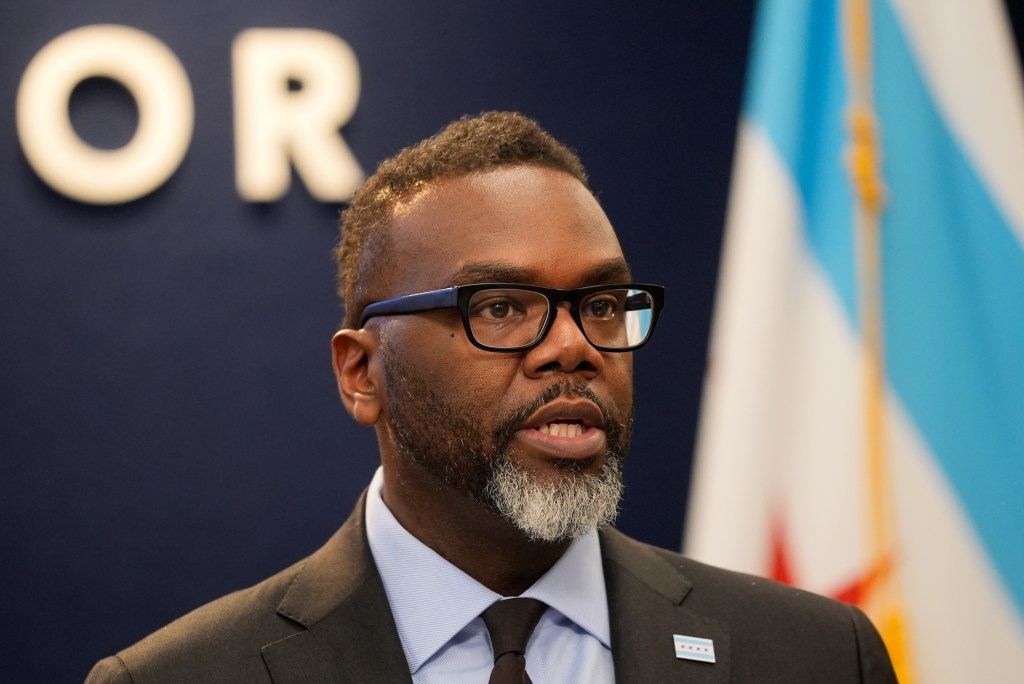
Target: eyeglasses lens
[(509, 318)]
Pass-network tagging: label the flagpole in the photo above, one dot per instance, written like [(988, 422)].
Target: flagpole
[(869, 194)]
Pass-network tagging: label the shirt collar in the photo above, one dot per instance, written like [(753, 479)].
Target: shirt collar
[(435, 601), (574, 586)]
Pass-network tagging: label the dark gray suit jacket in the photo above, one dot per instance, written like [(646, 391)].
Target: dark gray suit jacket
[(327, 619)]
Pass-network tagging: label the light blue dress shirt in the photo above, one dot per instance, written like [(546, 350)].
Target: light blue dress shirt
[(437, 609)]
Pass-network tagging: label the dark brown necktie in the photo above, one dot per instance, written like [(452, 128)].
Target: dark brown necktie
[(510, 624)]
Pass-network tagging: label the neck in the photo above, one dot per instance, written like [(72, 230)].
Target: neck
[(466, 532)]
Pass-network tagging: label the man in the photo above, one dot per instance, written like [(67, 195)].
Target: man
[(490, 320)]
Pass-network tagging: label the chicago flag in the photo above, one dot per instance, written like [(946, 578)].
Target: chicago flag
[(862, 431)]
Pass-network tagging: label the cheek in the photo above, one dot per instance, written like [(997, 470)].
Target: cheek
[(467, 376), (618, 376), (483, 383)]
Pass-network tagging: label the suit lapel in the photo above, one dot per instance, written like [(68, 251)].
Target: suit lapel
[(339, 598), (646, 604)]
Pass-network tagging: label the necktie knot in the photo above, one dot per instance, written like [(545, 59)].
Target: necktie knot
[(510, 624)]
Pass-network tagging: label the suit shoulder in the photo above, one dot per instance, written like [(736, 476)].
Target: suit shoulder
[(220, 641), (769, 624), (731, 591), (711, 582), (745, 602), (765, 614)]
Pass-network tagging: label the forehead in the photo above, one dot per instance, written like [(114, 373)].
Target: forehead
[(520, 223)]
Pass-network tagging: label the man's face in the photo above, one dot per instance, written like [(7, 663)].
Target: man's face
[(539, 435)]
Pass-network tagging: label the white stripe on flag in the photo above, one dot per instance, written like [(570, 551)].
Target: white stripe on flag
[(963, 624)]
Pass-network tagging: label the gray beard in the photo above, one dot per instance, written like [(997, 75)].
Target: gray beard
[(556, 512)]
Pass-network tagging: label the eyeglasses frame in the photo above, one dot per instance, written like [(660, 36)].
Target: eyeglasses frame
[(458, 298)]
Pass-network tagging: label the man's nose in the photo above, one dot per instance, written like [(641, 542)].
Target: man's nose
[(564, 349)]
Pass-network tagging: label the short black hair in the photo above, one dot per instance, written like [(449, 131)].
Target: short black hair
[(476, 143)]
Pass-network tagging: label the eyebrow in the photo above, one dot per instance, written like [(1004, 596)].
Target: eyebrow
[(611, 270)]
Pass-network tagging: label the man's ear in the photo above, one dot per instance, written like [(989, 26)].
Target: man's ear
[(358, 380)]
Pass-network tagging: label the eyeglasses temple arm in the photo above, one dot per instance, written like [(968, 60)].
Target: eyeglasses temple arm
[(422, 301), (639, 301)]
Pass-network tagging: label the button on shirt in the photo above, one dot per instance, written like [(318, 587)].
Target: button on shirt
[(437, 609)]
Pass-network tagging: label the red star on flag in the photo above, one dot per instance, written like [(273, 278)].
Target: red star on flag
[(855, 592)]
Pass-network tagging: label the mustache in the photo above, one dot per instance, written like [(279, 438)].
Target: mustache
[(505, 431)]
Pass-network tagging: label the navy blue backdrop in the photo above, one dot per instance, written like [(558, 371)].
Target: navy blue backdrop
[(169, 425)]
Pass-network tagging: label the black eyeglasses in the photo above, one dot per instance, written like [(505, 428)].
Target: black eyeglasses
[(508, 317)]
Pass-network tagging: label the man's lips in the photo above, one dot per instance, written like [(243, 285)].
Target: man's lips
[(580, 411), (566, 429)]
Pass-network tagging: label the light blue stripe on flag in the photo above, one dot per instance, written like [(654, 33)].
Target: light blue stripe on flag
[(954, 293), (953, 268), (797, 94)]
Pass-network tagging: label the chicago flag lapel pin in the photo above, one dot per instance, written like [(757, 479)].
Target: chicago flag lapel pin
[(694, 648)]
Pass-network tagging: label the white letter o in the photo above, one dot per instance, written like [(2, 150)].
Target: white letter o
[(156, 80)]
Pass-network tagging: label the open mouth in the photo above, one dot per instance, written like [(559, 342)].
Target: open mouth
[(563, 428), (564, 418)]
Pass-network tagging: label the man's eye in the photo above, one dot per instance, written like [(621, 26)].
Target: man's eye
[(601, 308), (496, 309)]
